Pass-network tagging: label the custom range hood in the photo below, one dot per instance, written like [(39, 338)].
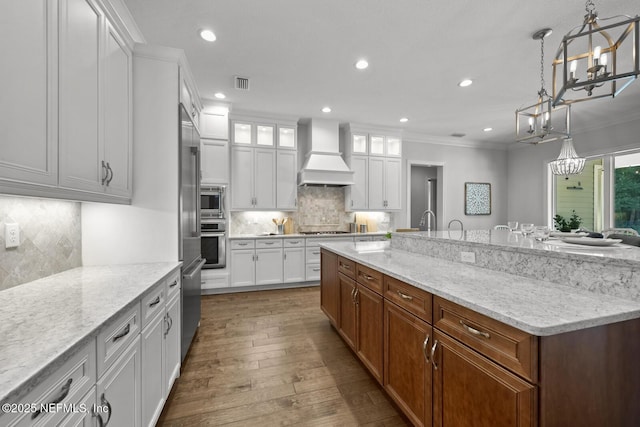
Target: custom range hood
[(323, 164)]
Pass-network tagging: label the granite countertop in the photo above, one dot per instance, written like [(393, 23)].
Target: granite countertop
[(44, 322), (299, 235), (618, 254), (534, 306)]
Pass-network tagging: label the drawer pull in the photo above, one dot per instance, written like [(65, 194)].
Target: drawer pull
[(316, 253), (424, 349), (175, 282), (316, 269), (123, 334), (242, 244), (155, 302), (345, 266), (366, 276), (269, 243), (475, 331), (433, 351), (405, 296), (64, 391), (294, 242), (106, 403)]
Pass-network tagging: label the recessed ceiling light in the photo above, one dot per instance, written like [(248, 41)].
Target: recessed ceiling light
[(404, 120), (220, 95), (208, 35), (326, 110), (465, 83), (362, 64), (487, 129)]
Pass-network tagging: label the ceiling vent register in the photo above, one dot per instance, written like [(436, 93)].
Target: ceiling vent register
[(241, 83)]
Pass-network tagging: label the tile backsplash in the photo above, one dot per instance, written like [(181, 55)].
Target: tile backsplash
[(50, 239), (319, 209)]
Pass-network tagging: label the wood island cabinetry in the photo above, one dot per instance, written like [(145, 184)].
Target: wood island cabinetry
[(446, 365)]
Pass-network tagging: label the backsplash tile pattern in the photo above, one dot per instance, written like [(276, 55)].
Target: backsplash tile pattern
[(319, 209), (50, 239)]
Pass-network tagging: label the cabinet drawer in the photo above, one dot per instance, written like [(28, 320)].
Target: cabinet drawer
[(313, 255), (153, 303), (242, 244), (173, 285), (269, 243), (412, 299), (67, 385), (510, 347), (370, 278), (313, 272), (347, 267), (293, 242), (115, 338)]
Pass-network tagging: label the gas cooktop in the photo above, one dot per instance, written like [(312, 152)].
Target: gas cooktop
[(323, 232)]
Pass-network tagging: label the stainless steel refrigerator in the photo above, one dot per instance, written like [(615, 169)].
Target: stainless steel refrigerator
[(189, 253)]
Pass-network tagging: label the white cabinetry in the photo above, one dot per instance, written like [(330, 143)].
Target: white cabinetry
[(77, 90), (256, 262), (243, 272), (294, 261), (375, 158), (253, 178), (286, 185), (214, 134)]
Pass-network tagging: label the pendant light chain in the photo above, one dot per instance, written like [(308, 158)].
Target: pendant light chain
[(589, 7), (543, 91)]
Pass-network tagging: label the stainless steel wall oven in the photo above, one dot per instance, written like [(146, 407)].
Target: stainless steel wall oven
[(212, 201), (213, 238)]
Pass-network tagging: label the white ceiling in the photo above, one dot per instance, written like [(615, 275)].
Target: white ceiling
[(299, 55)]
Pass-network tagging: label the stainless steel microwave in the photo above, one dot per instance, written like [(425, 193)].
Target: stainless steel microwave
[(212, 201)]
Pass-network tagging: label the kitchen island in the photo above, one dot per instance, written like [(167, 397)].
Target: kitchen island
[(457, 344)]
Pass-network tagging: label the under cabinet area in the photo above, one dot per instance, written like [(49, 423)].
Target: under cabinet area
[(447, 365)]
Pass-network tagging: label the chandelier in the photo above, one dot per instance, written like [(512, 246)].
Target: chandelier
[(593, 60), (534, 123), (568, 162)]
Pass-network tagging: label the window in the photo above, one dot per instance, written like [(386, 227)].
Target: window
[(602, 201)]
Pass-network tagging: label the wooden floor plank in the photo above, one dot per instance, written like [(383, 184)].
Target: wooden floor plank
[(272, 358)]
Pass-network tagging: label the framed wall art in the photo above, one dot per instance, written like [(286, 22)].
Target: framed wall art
[(477, 198)]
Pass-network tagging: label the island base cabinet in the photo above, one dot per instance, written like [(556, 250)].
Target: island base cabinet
[(88, 418), (370, 315), (348, 319), (329, 286), (469, 390), (119, 389), (407, 372)]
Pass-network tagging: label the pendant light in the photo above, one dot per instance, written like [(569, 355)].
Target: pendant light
[(534, 123), (568, 162), (598, 58)]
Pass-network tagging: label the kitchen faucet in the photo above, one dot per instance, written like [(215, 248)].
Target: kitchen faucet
[(424, 217)]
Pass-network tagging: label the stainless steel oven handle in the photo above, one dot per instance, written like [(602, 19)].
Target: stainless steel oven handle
[(216, 234)]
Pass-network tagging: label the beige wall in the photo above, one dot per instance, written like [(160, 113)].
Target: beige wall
[(50, 239)]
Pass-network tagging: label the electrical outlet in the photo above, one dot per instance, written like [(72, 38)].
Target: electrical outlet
[(12, 235), (469, 257)]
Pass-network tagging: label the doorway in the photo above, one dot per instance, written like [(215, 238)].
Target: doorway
[(425, 187)]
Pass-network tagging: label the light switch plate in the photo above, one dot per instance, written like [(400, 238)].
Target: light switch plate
[(12, 235), (469, 257)]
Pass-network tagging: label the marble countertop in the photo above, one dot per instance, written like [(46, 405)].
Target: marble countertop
[(299, 235), (534, 306), (619, 254), (43, 322)]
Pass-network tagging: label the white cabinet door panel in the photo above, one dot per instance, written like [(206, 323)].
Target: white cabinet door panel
[(294, 265), (356, 195), (242, 177), (172, 344), (152, 342), (268, 266), (392, 180), (287, 186), (243, 272), (214, 160), (265, 178), (376, 183)]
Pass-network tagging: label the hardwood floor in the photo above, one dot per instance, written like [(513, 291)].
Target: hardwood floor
[(272, 358)]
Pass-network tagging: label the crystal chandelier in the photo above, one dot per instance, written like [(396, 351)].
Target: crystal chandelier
[(568, 162), (593, 60), (533, 123)]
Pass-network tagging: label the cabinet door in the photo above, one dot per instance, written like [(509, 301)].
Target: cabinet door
[(243, 271), (287, 137), (265, 178), (470, 390), (214, 125), (268, 266), (172, 344), (242, 133), (329, 286), (265, 135), (370, 327), (376, 145), (356, 197), (152, 352), (376, 183), (293, 265), (242, 178), (347, 325), (407, 371), (214, 161), (119, 387), (28, 117), (392, 182), (80, 144), (117, 114), (287, 185)]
